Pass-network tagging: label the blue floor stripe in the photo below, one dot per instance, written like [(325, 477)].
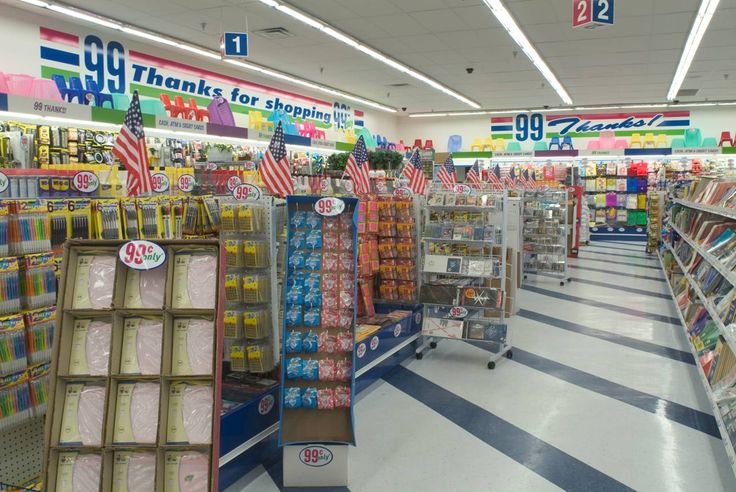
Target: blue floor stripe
[(602, 305), (632, 290), (695, 419), (276, 472), (551, 463), (607, 253), (634, 343), (613, 272), (626, 263), (599, 246)]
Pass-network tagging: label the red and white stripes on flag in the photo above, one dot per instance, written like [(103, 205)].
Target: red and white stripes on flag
[(274, 166), (130, 148), (357, 168), (494, 176), (473, 176), (414, 172), (447, 174)]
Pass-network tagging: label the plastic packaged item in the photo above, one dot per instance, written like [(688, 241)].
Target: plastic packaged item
[(193, 348), (186, 471), (29, 227), (293, 398), (190, 413), (136, 413), (90, 351), (309, 398), (327, 369), (326, 342), (342, 397), (38, 280), (325, 399), (95, 281), (145, 289), (195, 281), (83, 414), (294, 368), (344, 370), (310, 342), (134, 472), (39, 334), (15, 401), (293, 342), (12, 344), (142, 345), (38, 388), (9, 285), (78, 472), (310, 369)]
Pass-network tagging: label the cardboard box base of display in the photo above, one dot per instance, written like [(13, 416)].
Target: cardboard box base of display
[(316, 465)]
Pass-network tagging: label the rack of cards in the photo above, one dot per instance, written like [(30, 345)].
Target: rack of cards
[(545, 233), (249, 238), (464, 262)]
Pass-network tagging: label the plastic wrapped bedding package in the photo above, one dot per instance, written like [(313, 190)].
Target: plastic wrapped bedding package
[(136, 413), (142, 344), (145, 289), (186, 471), (134, 472), (193, 349), (90, 350), (195, 281), (78, 472), (190, 414), (94, 282), (83, 413)]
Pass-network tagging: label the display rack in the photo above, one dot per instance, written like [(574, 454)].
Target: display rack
[(655, 212), (464, 270), (545, 233)]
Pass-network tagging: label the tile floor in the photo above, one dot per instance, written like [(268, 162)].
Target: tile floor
[(602, 394)]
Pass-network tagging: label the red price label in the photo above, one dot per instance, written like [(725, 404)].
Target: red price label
[(233, 182), (315, 456), (246, 192), (142, 255), (462, 189), (458, 312), (186, 183), (160, 182), (402, 192), (86, 181), (329, 206)]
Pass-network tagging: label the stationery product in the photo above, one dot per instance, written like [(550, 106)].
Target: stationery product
[(83, 414), (29, 227), (38, 280), (38, 388), (94, 282), (142, 344), (90, 350), (192, 351), (186, 471), (78, 472), (195, 280), (145, 289), (136, 413), (4, 216), (134, 472), (15, 400), (190, 413), (12, 344), (39, 334), (9, 286)]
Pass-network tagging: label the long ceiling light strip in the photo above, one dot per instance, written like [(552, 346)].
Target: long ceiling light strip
[(508, 22), (700, 25), (353, 43), (575, 108), (175, 43)]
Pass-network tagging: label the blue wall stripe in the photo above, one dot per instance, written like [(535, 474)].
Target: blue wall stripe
[(622, 243), (52, 54), (551, 463), (603, 305), (502, 128), (613, 272), (652, 267), (676, 412), (608, 253), (598, 245), (633, 343), (3, 102), (683, 123), (608, 285)]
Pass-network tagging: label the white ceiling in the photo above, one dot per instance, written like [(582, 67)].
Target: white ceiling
[(632, 61)]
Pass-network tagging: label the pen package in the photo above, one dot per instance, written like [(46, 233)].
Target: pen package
[(130, 219), (195, 280), (142, 343), (90, 350), (30, 229), (136, 412), (106, 214), (186, 471), (134, 472), (192, 351), (38, 280), (15, 400), (189, 413), (94, 281), (82, 415), (12, 344), (38, 386), (4, 218), (40, 334), (78, 472), (9, 285), (58, 221), (79, 213), (150, 218)]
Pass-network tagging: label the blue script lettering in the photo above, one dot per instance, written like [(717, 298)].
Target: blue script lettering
[(578, 125)]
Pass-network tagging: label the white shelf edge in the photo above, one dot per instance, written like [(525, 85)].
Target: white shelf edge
[(727, 444), (722, 211), (728, 274)]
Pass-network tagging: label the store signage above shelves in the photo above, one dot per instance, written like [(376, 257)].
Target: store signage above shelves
[(235, 44), (42, 107), (704, 150), (519, 155), (181, 124), (592, 13)]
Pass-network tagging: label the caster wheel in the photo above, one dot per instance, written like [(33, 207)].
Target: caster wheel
[(569, 280), (509, 355), (419, 356), (433, 344), (525, 277), (491, 365), (562, 284)]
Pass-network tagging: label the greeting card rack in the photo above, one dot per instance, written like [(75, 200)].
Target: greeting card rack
[(464, 270), (545, 233)]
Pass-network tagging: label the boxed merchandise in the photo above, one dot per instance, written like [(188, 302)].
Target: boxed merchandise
[(141, 345), (134, 405), (194, 282), (134, 471), (81, 423), (186, 471), (75, 471), (92, 288), (192, 346), (189, 413), (90, 347)]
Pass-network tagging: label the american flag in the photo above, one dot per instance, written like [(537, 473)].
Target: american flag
[(495, 177), (533, 176), (357, 168), (130, 148), (511, 178), (524, 178), (473, 175), (413, 170), (274, 166), (446, 174)]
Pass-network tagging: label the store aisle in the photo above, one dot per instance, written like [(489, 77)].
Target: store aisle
[(602, 394)]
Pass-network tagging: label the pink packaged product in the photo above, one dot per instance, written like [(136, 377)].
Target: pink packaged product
[(86, 474), (193, 346), (83, 413), (95, 281), (141, 472), (325, 399), (195, 281), (148, 346), (144, 412), (197, 413), (98, 347), (194, 473), (145, 289)]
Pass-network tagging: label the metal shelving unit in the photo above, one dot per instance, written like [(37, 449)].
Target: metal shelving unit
[(728, 213), (463, 270), (545, 233)]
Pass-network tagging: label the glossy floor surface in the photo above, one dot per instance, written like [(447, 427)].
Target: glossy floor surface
[(602, 394)]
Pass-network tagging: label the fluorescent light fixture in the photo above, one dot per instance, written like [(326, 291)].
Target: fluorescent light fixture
[(508, 22), (84, 16), (700, 25), (376, 55), (112, 24)]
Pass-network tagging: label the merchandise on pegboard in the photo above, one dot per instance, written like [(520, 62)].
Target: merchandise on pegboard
[(616, 192), (319, 326)]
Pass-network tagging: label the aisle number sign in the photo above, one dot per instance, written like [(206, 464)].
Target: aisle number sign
[(592, 13), (235, 44)]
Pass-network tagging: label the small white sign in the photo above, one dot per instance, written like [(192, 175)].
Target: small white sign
[(86, 181), (4, 182), (704, 150), (402, 192), (160, 182), (246, 191), (185, 183), (329, 206), (142, 255), (233, 182), (462, 189), (181, 124), (42, 107)]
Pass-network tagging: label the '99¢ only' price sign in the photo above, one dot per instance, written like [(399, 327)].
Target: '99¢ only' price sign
[(329, 206), (86, 181), (160, 182), (246, 191), (186, 183), (142, 255)]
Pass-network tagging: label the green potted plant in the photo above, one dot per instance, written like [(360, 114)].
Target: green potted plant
[(336, 164)]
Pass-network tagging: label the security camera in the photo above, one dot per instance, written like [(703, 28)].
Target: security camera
[(403, 108), (470, 69)]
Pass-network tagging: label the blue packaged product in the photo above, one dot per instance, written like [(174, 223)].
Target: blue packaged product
[(294, 315), (296, 260), (310, 342), (313, 220), (298, 240), (314, 239), (313, 298), (295, 294), (294, 342), (293, 398), (294, 368), (314, 261), (309, 397), (312, 281), (298, 220), (311, 318), (310, 369)]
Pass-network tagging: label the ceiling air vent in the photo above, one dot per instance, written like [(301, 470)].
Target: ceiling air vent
[(400, 84), (687, 92), (274, 33)]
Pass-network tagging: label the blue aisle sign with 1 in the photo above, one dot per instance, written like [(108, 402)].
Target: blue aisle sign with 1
[(235, 44)]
